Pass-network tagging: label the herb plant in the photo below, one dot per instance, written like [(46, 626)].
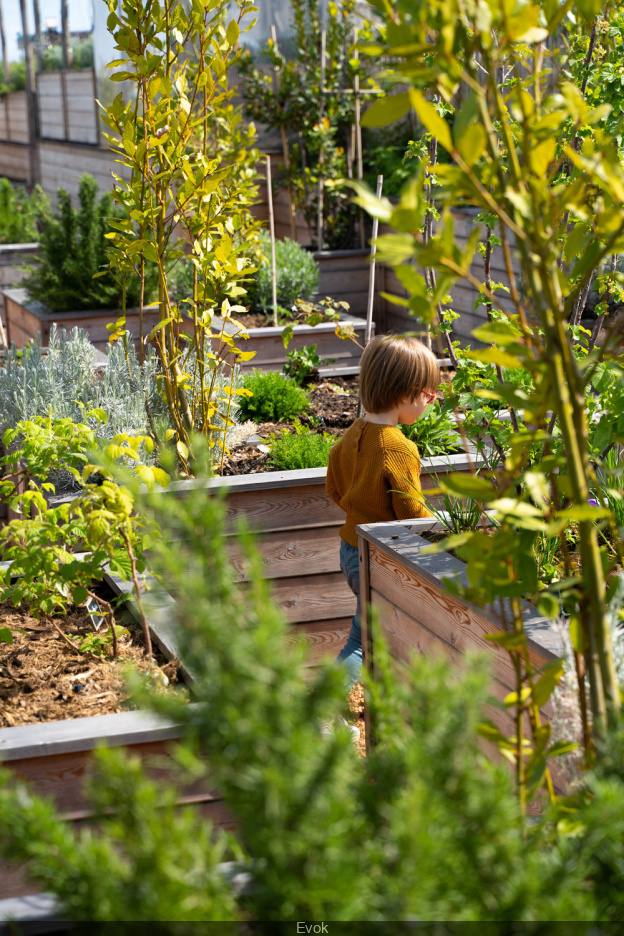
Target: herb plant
[(435, 432), (301, 449), (74, 250), (21, 213), (297, 275), (273, 398), (65, 383), (302, 364)]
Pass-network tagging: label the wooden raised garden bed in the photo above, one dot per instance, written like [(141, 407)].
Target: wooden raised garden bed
[(54, 757), (25, 318), (12, 259), (300, 544), (270, 354), (416, 613)]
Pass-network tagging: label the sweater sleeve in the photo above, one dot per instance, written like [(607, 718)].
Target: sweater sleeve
[(403, 472), (331, 486)]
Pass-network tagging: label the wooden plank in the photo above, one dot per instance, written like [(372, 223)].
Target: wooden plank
[(314, 598), (325, 639), (448, 618), (306, 506), (84, 734), (297, 552)]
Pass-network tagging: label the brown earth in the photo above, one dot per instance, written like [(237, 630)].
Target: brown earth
[(43, 679)]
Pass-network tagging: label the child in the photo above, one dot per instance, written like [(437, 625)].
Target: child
[(374, 468)]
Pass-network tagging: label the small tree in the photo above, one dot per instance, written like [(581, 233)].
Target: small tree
[(191, 184)]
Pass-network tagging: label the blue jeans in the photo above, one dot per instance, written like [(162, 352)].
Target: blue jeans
[(351, 653)]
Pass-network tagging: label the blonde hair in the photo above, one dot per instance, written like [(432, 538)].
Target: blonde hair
[(395, 368)]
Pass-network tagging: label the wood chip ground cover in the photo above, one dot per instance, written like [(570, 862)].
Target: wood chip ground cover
[(43, 679)]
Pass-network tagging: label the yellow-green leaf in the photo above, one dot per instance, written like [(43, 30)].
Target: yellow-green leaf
[(430, 118)]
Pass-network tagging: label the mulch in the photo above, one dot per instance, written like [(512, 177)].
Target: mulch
[(43, 679)]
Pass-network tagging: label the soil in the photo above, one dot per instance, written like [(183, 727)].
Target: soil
[(43, 679), (356, 706), (333, 407)]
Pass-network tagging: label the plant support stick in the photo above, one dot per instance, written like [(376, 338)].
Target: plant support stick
[(272, 236)]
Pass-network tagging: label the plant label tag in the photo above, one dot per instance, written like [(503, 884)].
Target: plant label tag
[(94, 613)]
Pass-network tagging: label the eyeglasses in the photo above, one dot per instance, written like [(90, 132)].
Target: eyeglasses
[(430, 396)]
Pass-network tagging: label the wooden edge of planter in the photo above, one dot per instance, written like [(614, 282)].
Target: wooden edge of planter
[(36, 908), (26, 247), (79, 734), (442, 464), (158, 606), (401, 536), (84, 734), (268, 331), (20, 296)]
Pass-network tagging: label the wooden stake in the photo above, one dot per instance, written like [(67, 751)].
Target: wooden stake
[(285, 153), (272, 236), (358, 134), (30, 97), (319, 217), (371, 281), (5, 57)]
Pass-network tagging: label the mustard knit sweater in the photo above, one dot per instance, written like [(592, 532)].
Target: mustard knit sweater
[(369, 469)]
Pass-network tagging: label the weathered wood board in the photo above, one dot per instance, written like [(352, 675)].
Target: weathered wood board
[(417, 614)]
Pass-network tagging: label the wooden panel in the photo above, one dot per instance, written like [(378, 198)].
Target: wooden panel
[(296, 552), (314, 598), (270, 352), (325, 639), (287, 509), (14, 161), (461, 628), (14, 880), (406, 636)]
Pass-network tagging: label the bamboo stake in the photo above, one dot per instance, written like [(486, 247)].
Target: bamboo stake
[(319, 217), (272, 236), (285, 153), (358, 133), (371, 281)]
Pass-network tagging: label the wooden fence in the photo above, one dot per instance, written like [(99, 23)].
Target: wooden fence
[(67, 107)]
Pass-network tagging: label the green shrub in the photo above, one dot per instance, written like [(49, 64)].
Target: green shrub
[(303, 449), (74, 249), (275, 397), (303, 363), (297, 275), (435, 432), (19, 213)]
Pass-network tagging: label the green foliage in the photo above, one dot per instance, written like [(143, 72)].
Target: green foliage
[(287, 94), (74, 249), (57, 552), (525, 146), (302, 364), (434, 432), (424, 827), (17, 78), (301, 449), (65, 383), (297, 275), (274, 397), (20, 213), (81, 55), (188, 187)]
